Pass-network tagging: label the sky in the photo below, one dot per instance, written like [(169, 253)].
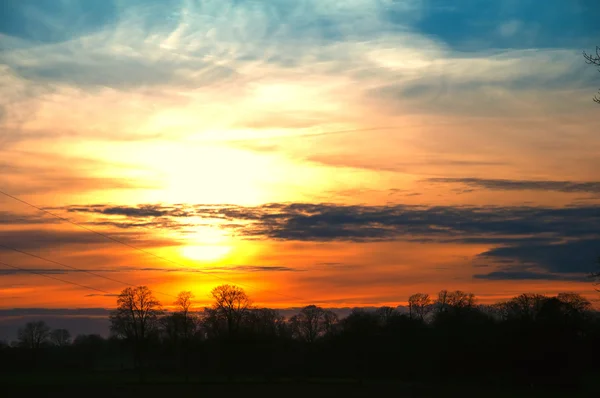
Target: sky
[(341, 153)]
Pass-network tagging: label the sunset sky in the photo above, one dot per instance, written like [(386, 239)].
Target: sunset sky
[(342, 153)]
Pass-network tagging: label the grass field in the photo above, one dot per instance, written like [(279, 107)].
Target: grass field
[(103, 385)]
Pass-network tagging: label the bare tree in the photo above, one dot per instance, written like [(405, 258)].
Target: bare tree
[(455, 301), (441, 304), (136, 314), (385, 314), (33, 334), (266, 322), (524, 307), (188, 325), (184, 304), (312, 322), (419, 304), (231, 305), (330, 321), (575, 304), (60, 337), (136, 317), (460, 299), (593, 59), (596, 276)]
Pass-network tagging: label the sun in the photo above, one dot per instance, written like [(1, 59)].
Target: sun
[(205, 252), (206, 244)]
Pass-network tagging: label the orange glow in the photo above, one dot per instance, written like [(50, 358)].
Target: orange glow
[(245, 153)]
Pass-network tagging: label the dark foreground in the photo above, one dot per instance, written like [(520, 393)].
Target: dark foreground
[(63, 386)]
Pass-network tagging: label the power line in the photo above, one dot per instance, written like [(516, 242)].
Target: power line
[(75, 268), (137, 248), (55, 278)]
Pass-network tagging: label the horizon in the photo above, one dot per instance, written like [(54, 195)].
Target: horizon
[(316, 152)]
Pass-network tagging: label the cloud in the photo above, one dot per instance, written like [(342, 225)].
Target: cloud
[(23, 172), (243, 268), (101, 295), (36, 239), (574, 256), (60, 271), (10, 218), (523, 185), (490, 83), (556, 242), (528, 275), (331, 222), (45, 21), (137, 270), (91, 312), (472, 25), (176, 42)]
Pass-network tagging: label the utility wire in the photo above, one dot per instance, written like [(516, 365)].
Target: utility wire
[(75, 268), (138, 248), (53, 277)]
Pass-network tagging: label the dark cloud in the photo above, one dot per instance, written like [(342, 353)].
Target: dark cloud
[(59, 271), (248, 268), (38, 239), (128, 211), (101, 295), (330, 222), (578, 256), (77, 321), (527, 275), (549, 240), (10, 218), (89, 312), (209, 270), (522, 185)]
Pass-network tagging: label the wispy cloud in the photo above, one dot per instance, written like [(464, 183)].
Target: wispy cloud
[(523, 185), (280, 105), (225, 269), (101, 295)]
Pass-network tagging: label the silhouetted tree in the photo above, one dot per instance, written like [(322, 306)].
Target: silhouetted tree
[(596, 275), (524, 307), (89, 349), (136, 317), (183, 307), (593, 59), (419, 304), (182, 324), (575, 304), (266, 322), (33, 334), (385, 314), (60, 337), (455, 301), (231, 305), (312, 322), (539, 340)]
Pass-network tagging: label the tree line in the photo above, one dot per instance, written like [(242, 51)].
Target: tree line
[(529, 339)]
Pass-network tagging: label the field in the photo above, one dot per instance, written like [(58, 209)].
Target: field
[(117, 386)]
